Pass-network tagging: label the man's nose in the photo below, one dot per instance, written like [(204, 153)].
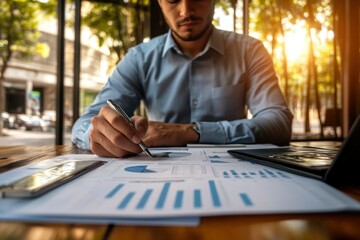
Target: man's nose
[(185, 8)]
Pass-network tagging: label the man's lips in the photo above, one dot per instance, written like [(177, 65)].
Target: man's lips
[(188, 22)]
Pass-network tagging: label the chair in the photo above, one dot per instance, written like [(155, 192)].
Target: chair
[(332, 119)]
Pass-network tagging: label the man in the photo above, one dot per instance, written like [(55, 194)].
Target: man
[(197, 83)]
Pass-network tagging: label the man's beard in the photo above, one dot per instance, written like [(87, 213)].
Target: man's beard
[(191, 37)]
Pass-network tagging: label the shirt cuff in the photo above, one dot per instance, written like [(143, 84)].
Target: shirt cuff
[(86, 138), (211, 132)]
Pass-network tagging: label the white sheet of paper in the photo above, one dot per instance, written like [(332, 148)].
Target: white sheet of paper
[(196, 182)]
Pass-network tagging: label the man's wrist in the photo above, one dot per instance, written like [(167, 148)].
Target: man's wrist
[(197, 130)]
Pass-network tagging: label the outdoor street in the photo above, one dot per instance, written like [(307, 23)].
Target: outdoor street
[(22, 137)]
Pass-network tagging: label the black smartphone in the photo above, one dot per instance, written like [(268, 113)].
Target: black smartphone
[(43, 181)]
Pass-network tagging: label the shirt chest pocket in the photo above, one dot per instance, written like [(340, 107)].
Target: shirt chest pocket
[(228, 102)]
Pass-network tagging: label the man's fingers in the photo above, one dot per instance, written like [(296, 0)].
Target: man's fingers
[(102, 146), (107, 140), (141, 124), (119, 123), (97, 149)]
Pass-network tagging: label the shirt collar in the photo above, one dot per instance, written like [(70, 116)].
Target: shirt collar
[(215, 42), (169, 43)]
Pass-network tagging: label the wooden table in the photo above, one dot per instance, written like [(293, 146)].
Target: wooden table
[(286, 226)]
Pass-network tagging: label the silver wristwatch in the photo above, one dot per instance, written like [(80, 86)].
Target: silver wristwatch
[(196, 128)]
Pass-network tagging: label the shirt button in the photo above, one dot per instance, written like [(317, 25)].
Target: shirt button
[(195, 102)]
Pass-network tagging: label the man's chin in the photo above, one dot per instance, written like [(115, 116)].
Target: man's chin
[(188, 37)]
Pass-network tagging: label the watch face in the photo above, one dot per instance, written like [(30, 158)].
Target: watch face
[(196, 128)]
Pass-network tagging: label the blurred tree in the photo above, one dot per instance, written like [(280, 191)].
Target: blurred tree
[(273, 20), (268, 17), (234, 4), (314, 26), (18, 36), (118, 26)]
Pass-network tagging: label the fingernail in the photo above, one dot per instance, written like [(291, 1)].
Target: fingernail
[(135, 139)]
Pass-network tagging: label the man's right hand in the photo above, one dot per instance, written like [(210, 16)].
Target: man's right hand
[(112, 136)]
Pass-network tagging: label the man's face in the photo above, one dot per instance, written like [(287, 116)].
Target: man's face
[(188, 19)]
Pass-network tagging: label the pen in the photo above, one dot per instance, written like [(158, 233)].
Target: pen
[(122, 113)]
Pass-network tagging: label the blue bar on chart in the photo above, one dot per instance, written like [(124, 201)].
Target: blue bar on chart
[(283, 175), (144, 199), (178, 199), (270, 173), (123, 204), (246, 199), (234, 173), (262, 174), (214, 194), (197, 198), (114, 191), (245, 175), (161, 201)]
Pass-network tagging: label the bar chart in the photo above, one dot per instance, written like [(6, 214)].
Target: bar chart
[(166, 195), (173, 196), (263, 173)]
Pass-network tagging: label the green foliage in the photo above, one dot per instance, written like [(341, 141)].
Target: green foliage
[(118, 26), (225, 5), (19, 29)]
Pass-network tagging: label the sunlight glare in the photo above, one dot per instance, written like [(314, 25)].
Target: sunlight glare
[(296, 42), (225, 21)]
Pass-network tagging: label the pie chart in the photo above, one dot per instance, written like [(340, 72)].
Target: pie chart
[(143, 169), (139, 169)]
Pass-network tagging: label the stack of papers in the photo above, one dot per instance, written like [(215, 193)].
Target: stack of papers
[(191, 183)]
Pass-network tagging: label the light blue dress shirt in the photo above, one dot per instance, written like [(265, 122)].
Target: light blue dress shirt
[(233, 74)]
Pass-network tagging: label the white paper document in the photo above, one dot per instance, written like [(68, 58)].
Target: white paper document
[(192, 182)]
